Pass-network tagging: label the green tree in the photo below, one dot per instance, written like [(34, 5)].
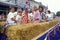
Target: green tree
[(58, 13)]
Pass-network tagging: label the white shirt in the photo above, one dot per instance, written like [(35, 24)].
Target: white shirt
[(9, 18), (15, 14), (49, 16), (30, 15), (18, 17)]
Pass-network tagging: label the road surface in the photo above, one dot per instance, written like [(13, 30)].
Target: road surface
[(58, 19)]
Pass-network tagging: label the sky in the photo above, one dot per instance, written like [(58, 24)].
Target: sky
[(53, 5)]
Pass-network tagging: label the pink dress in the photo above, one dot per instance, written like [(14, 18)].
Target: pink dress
[(36, 17)]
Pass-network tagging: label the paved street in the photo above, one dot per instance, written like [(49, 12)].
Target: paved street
[(58, 19)]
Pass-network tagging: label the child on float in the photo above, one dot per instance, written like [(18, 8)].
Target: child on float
[(19, 16)]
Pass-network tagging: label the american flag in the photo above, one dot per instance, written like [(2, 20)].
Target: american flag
[(28, 2)]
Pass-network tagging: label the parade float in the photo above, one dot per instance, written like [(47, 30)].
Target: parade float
[(28, 31)]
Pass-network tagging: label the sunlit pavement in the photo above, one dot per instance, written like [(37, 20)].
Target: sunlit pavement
[(58, 19)]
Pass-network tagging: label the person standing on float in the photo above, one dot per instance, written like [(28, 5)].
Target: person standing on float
[(25, 16)]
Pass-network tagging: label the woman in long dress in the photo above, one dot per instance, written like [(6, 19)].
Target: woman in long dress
[(36, 18), (25, 17)]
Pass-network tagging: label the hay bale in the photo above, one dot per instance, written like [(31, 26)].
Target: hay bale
[(1, 24), (0, 28), (28, 31)]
